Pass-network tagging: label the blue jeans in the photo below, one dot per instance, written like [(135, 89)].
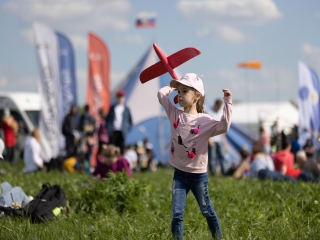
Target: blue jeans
[(10, 194), (216, 156), (272, 175), (198, 183), (304, 176)]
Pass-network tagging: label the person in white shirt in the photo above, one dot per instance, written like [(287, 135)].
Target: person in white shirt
[(217, 144), (32, 152), (131, 156)]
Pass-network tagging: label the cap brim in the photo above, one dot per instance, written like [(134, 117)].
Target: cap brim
[(174, 83)]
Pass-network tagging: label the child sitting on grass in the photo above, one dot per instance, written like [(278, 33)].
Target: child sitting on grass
[(110, 160)]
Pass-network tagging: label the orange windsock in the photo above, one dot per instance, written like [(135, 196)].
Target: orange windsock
[(252, 64)]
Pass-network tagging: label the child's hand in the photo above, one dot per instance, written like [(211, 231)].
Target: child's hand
[(226, 92)]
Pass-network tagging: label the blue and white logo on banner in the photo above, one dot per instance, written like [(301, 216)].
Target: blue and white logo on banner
[(309, 105)]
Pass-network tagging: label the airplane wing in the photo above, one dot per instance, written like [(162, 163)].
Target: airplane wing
[(182, 56), (174, 61), (152, 72)]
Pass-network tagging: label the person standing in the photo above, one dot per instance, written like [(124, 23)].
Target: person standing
[(10, 129), (69, 130), (217, 144), (190, 130), (87, 127), (119, 121), (264, 140), (103, 136)]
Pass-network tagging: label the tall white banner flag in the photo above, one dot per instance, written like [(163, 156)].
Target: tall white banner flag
[(49, 88), (308, 103)]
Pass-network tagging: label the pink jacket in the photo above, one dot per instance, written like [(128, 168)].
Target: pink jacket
[(190, 133)]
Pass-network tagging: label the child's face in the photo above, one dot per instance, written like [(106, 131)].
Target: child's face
[(110, 160), (187, 96)]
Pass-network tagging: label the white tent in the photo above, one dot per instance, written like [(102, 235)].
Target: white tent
[(284, 115)]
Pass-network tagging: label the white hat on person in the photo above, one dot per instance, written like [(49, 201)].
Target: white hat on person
[(1, 148), (191, 80)]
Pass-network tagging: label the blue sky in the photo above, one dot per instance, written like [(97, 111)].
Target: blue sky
[(278, 33)]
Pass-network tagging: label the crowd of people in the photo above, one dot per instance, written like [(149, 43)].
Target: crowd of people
[(91, 145), (280, 158)]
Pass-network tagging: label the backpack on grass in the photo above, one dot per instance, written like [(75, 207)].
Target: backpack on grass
[(47, 203)]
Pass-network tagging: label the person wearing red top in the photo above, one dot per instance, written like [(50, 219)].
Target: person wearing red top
[(10, 129), (111, 160), (284, 163)]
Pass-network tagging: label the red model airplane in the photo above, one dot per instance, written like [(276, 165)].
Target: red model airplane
[(167, 64)]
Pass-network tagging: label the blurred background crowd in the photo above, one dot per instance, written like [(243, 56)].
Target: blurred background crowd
[(97, 146)]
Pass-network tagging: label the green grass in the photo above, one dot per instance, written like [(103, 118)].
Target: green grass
[(247, 209)]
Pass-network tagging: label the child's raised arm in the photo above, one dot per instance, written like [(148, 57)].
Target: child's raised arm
[(163, 96), (222, 126)]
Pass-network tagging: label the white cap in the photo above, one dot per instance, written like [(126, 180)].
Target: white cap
[(191, 80), (1, 148)]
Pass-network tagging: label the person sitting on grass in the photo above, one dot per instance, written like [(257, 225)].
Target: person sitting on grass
[(32, 152), (243, 167), (309, 165), (110, 160), (13, 197), (262, 165), (284, 164), (131, 156)]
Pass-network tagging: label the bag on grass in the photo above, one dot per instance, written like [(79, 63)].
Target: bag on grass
[(9, 211), (47, 203)]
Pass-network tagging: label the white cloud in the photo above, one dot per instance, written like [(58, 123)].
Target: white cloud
[(72, 15), (27, 35), (250, 12), (309, 50), (230, 34), (225, 33), (222, 18)]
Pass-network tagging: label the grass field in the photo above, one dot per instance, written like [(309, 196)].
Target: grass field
[(247, 209)]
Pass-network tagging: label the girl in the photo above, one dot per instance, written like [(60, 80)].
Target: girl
[(190, 131), (111, 160)]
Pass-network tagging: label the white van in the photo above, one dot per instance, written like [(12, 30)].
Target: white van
[(25, 108)]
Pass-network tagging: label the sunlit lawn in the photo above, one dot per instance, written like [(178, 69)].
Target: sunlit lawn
[(247, 209)]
